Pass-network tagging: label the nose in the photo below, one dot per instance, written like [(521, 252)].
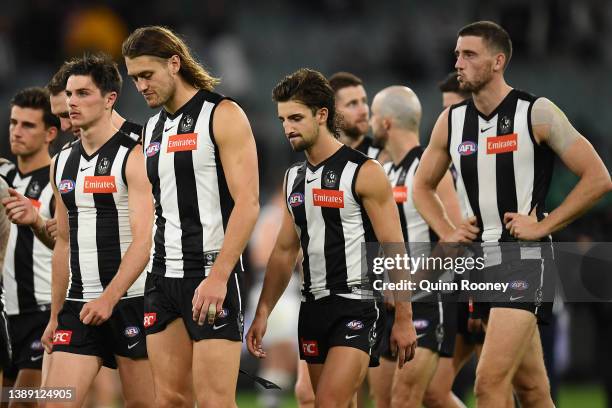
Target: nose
[(459, 62), (365, 110), (142, 85)]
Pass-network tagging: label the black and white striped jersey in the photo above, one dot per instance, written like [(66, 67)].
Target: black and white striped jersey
[(331, 223), (192, 198), (95, 192), (499, 162), (367, 147), (26, 272), (414, 227)]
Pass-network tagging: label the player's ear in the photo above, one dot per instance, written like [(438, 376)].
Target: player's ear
[(174, 64), (500, 62), (111, 98), (322, 114)]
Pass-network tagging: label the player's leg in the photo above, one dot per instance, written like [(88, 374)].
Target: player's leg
[(169, 347), (170, 355), (76, 371), (215, 372), (105, 390), (342, 374), (439, 393), (381, 379), (503, 350), (136, 382), (530, 381), (410, 382), (27, 378), (304, 393)]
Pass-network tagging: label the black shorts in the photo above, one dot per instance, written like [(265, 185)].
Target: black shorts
[(531, 288), (167, 299), (5, 341), (26, 331), (121, 335), (463, 314), (436, 325), (337, 321)]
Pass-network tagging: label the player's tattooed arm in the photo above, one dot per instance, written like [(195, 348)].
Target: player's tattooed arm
[(551, 126)]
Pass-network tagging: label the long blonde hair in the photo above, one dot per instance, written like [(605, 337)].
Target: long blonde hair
[(162, 42)]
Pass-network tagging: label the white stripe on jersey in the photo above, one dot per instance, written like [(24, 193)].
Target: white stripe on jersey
[(523, 162), (352, 226), (457, 121), (487, 182)]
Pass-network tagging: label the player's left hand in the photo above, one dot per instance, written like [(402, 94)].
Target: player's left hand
[(19, 209), (97, 311), (210, 292), (403, 341), (524, 227)]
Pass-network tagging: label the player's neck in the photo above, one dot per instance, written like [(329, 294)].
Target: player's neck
[(400, 142), (489, 97), (97, 134), (117, 119), (28, 164), (324, 148), (182, 94), (350, 141)]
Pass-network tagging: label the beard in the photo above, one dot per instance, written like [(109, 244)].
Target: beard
[(379, 141), (479, 81)]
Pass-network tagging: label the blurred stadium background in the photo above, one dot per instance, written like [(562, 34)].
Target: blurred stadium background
[(561, 50)]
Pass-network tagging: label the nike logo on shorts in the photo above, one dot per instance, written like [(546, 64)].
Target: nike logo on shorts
[(131, 346), (512, 298), (421, 335), (351, 337), (215, 327), (36, 358)]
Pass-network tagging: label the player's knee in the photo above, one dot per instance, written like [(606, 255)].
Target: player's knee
[(489, 382), (435, 397), (141, 401), (212, 399), (303, 394), (532, 392), (167, 399), (381, 399), (331, 398)]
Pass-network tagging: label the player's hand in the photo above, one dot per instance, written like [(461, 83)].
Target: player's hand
[(19, 209), (465, 232), (255, 335), (51, 226), (403, 340), (524, 227), (47, 337), (97, 311), (208, 299)]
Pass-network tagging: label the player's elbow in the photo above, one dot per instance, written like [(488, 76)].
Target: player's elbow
[(601, 183)]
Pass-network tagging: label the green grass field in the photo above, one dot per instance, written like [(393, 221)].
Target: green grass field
[(571, 396)]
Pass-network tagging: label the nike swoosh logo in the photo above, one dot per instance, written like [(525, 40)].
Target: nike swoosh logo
[(131, 346), (165, 130), (36, 358), (310, 181), (512, 298), (421, 335), (351, 337), (215, 327), (85, 168), (485, 129)]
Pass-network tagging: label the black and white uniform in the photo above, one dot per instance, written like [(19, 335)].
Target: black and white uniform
[(26, 272), (192, 209), (94, 189), (5, 342), (504, 169), (434, 318), (332, 225), (367, 147)]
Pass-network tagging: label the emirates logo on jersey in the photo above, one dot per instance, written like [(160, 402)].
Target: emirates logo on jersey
[(182, 142), (100, 184), (400, 194), (328, 198), (502, 144)]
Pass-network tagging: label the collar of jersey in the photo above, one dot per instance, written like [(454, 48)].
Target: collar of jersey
[(314, 168)]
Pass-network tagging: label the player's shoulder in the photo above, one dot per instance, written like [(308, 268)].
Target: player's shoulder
[(132, 129), (7, 168), (525, 96)]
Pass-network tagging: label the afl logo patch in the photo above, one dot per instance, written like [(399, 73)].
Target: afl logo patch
[(152, 149), (223, 313), (420, 324), (65, 186), (131, 331), (296, 199), (467, 148), (519, 285), (355, 325)]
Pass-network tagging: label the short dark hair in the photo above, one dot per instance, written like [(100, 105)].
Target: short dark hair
[(100, 67), (36, 98), (343, 79), (310, 88), (451, 84), (57, 84), (493, 35)]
